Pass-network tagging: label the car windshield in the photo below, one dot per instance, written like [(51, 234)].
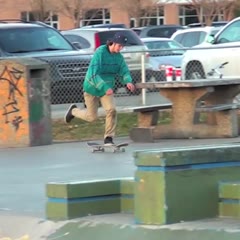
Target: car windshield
[(22, 40), (168, 47), (230, 33)]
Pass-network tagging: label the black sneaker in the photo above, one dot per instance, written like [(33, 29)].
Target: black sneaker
[(108, 141), (68, 116)]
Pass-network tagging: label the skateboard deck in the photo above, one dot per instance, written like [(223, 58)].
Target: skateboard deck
[(97, 147)]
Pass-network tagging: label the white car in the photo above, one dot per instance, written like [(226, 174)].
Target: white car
[(219, 59), (194, 36), (165, 53)]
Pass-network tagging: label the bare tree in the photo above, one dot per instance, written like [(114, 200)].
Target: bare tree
[(227, 8), (42, 9), (208, 10), (137, 8), (74, 9)]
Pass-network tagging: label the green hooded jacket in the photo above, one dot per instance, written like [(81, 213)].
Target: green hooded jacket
[(103, 71)]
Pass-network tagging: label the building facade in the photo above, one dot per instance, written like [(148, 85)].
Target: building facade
[(169, 13)]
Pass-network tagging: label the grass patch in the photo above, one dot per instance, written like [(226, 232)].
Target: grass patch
[(79, 130)]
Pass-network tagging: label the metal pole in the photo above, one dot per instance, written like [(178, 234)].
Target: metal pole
[(143, 78)]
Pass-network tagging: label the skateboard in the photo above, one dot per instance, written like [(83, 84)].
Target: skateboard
[(97, 147)]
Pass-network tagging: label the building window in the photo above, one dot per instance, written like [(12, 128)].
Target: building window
[(48, 18), (187, 15), (96, 16), (154, 16)]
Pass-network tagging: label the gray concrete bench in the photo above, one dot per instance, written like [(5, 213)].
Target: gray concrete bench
[(148, 116)]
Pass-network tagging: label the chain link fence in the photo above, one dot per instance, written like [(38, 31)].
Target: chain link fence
[(67, 74)]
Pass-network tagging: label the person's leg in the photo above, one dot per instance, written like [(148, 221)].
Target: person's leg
[(109, 106), (89, 114)]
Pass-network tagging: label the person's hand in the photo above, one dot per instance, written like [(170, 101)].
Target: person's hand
[(109, 92), (131, 87)]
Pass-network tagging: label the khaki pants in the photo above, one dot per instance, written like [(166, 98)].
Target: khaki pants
[(90, 114)]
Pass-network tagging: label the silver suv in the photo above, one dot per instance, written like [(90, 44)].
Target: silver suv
[(89, 39)]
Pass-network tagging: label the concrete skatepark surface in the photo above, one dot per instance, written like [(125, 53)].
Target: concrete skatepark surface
[(24, 173)]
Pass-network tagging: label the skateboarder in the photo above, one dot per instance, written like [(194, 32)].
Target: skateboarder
[(106, 64)]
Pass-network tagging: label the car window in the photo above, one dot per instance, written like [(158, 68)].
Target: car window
[(230, 34), (132, 38), (179, 37), (190, 39), (161, 32), (202, 37), (164, 45), (214, 31), (32, 39), (84, 43)]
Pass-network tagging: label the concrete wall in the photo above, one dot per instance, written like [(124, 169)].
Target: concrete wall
[(24, 103)]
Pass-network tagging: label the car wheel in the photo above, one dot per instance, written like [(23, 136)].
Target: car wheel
[(194, 72)]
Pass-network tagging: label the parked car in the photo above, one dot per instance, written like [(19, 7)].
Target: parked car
[(157, 31), (220, 59), (194, 36), (91, 38), (214, 24), (106, 25), (163, 53), (38, 40)]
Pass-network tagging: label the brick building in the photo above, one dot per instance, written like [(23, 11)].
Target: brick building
[(174, 12)]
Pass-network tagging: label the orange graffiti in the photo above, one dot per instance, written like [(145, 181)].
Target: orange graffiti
[(14, 109)]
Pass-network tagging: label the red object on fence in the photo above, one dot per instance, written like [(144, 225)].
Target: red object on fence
[(169, 73)]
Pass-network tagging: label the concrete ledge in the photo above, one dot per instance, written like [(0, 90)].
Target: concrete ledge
[(229, 190), (78, 199), (229, 194), (127, 196), (188, 155), (181, 184)]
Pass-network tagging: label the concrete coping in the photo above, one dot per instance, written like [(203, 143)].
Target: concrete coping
[(165, 157)]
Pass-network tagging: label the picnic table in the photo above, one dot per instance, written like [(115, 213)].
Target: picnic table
[(200, 109)]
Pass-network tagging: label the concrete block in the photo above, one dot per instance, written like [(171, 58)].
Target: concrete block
[(25, 103), (229, 209), (127, 195), (187, 155), (174, 185), (142, 134), (69, 209), (83, 189), (127, 186), (78, 199), (229, 190)]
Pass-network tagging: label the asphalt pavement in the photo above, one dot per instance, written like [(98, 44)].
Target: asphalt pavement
[(25, 172)]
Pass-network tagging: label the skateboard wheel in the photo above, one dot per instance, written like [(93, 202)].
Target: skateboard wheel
[(123, 150)]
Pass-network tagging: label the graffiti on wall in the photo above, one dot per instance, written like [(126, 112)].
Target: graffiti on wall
[(11, 108)]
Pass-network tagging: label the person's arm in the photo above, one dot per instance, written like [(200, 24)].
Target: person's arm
[(125, 76), (124, 73)]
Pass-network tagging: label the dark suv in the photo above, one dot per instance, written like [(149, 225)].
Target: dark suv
[(38, 40)]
